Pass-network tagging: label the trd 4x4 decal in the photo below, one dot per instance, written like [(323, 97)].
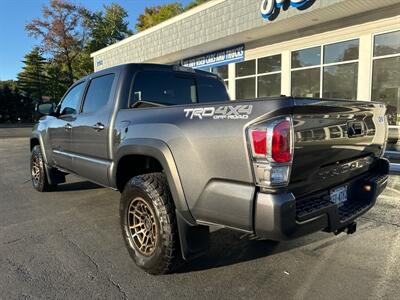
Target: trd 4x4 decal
[(220, 113)]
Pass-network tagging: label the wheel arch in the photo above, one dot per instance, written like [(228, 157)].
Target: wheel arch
[(154, 153), (37, 140)]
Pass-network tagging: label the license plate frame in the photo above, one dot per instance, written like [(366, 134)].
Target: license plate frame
[(339, 195)]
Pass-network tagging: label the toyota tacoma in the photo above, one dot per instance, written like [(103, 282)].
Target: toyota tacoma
[(185, 158)]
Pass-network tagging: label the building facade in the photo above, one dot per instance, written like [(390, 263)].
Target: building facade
[(316, 48)]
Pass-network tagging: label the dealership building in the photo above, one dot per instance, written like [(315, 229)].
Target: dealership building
[(313, 48)]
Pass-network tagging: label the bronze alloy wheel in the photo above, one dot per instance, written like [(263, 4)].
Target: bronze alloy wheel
[(142, 226), (35, 169)]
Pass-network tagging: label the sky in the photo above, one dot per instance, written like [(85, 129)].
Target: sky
[(14, 14)]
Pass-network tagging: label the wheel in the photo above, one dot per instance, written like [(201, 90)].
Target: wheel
[(38, 172), (148, 223)]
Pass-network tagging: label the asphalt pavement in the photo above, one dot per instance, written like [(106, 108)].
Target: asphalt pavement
[(67, 245)]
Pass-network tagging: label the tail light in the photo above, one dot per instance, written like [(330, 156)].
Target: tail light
[(271, 146)]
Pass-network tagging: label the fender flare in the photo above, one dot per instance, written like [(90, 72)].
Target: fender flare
[(160, 151), (36, 135)]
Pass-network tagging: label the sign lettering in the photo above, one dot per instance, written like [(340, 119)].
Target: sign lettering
[(217, 58)]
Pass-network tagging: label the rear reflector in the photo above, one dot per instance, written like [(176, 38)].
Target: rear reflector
[(281, 143)]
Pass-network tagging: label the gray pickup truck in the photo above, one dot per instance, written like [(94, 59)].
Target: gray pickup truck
[(185, 158)]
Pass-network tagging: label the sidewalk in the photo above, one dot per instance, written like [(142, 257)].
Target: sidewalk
[(15, 130)]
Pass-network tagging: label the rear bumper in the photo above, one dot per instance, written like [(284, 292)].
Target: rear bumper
[(283, 217)]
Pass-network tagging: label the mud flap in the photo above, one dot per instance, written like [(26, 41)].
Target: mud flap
[(54, 176), (194, 239)]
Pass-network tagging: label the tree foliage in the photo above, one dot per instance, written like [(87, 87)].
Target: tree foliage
[(105, 28), (14, 107), (195, 3), (157, 14), (32, 80), (59, 30)]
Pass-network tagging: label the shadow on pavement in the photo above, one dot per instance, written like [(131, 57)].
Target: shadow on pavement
[(76, 186), (228, 247)]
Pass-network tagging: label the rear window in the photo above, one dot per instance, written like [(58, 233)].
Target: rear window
[(211, 90), (163, 87)]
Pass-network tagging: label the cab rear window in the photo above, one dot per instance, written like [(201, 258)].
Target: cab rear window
[(169, 88), (163, 88)]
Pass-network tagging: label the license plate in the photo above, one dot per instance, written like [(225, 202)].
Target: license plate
[(339, 195)]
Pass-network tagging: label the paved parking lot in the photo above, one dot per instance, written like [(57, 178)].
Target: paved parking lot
[(67, 244)]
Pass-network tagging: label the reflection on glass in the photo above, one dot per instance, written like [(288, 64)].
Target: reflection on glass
[(306, 57), (306, 83), (386, 86), (387, 44), (269, 64), (343, 51), (246, 88), (221, 71), (246, 68), (340, 81), (269, 85)]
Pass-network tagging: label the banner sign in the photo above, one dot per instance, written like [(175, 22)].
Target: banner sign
[(215, 59), (270, 9)]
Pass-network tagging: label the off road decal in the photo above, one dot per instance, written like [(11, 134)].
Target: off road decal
[(237, 112)]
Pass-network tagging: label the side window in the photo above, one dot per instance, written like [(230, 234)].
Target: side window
[(70, 104), (98, 93), (164, 88), (211, 90)]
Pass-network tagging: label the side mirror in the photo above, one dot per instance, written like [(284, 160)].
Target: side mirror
[(45, 109)]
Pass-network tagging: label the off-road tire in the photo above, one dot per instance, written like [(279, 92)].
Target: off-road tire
[(38, 173), (151, 191)]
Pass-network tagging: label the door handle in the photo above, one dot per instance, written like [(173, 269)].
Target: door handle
[(98, 126), (68, 126)]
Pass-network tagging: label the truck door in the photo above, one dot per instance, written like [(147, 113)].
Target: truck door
[(90, 133), (60, 127)]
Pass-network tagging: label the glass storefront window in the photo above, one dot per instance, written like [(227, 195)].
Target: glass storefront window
[(386, 86), (269, 64), (343, 51), (246, 68), (269, 85), (338, 71), (245, 88), (340, 81), (306, 57), (221, 71), (306, 83), (259, 77), (387, 44)]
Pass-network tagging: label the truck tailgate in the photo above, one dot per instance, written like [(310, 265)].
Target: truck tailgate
[(334, 141)]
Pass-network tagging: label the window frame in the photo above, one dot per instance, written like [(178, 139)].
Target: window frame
[(322, 64), (83, 100), (256, 75), (382, 57)]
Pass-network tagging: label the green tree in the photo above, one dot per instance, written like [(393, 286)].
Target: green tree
[(157, 14), (195, 3), (32, 80), (102, 29), (106, 28), (57, 80), (61, 33)]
